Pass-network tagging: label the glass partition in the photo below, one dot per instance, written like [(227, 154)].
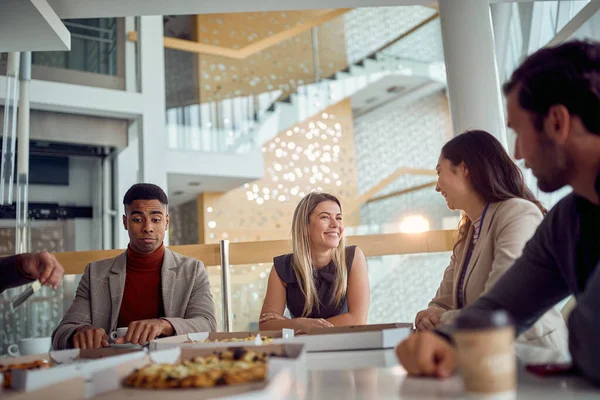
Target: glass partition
[(401, 286), (93, 47)]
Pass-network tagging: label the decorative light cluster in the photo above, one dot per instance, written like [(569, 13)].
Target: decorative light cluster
[(287, 177)]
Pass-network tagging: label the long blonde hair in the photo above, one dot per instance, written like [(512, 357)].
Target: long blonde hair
[(302, 257)]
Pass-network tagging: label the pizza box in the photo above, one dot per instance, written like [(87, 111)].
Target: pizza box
[(70, 389), (359, 337), (286, 376), (187, 340), (67, 364), (351, 360)]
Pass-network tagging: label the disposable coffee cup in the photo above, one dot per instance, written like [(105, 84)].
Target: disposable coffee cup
[(485, 353)]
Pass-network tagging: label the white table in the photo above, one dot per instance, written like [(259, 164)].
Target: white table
[(376, 374)]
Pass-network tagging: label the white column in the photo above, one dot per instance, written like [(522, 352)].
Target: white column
[(473, 84), (501, 14), (152, 141), (144, 158), (125, 163)]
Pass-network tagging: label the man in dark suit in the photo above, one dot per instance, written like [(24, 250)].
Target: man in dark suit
[(23, 268)]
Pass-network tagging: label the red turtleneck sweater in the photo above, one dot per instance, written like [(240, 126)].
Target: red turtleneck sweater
[(142, 297)]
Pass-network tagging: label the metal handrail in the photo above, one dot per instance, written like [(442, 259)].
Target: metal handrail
[(226, 286), (91, 28), (92, 38)]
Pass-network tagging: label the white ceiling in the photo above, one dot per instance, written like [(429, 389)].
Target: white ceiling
[(190, 173), (30, 25), (122, 8), (34, 25), (385, 90)]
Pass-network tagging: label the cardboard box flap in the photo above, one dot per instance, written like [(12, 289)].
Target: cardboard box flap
[(93, 354), (35, 379), (274, 350), (110, 379), (287, 333), (64, 356), (26, 359), (198, 338), (72, 389), (74, 355), (275, 334), (359, 328), (169, 356)]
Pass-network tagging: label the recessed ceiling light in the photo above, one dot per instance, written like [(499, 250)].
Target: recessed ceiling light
[(178, 193), (194, 183)]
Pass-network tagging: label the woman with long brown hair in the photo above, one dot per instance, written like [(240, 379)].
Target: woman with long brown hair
[(322, 282), (500, 214)]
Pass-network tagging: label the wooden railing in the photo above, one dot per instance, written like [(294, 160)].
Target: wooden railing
[(264, 251), (226, 254)]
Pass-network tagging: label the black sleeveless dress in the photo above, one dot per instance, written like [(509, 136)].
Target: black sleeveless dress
[(324, 279)]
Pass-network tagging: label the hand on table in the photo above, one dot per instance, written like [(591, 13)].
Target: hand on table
[(429, 319), (271, 316), (90, 337), (304, 325), (142, 332), (42, 266), (426, 353)]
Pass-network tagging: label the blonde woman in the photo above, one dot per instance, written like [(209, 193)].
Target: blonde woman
[(323, 283)]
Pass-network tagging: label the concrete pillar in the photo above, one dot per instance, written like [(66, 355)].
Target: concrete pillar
[(152, 140), (144, 158), (501, 14), (125, 162), (473, 84)]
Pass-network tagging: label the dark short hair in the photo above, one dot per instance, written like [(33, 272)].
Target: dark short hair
[(568, 74), (145, 191)]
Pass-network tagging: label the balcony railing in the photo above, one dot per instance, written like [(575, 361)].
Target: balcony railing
[(240, 123)]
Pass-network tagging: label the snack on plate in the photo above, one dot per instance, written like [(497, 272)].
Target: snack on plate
[(264, 339), (7, 369), (231, 367)]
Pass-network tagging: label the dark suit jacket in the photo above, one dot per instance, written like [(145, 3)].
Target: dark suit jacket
[(9, 276)]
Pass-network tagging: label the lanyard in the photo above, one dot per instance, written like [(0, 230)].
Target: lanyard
[(460, 296)]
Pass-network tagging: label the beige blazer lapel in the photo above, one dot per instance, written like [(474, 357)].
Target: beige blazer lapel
[(461, 263), (485, 228), (116, 285), (168, 281)]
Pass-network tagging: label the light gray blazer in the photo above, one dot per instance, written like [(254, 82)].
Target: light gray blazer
[(507, 226), (186, 296)]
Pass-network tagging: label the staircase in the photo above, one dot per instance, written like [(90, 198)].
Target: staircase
[(243, 124)]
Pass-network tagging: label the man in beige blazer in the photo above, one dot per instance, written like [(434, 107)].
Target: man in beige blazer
[(507, 226), (148, 289)]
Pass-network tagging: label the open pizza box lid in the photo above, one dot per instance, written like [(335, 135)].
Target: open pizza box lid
[(360, 337), (196, 339), (67, 364), (285, 375)]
